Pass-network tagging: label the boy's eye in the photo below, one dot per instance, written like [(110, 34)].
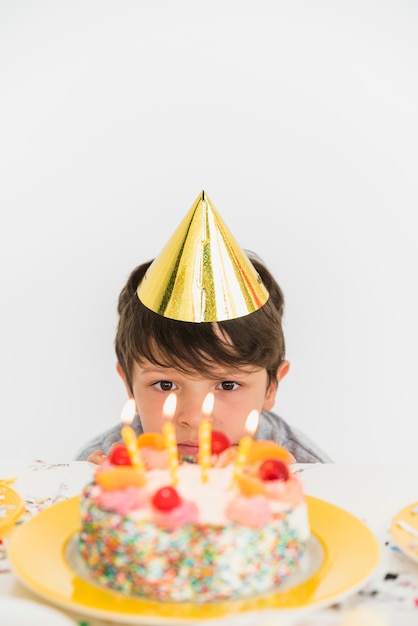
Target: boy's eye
[(165, 385), (228, 385)]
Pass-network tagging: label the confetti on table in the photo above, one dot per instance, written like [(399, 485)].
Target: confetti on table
[(39, 465)]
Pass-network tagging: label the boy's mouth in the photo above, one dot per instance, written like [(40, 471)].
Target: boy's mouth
[(188, 448), (188, 451)]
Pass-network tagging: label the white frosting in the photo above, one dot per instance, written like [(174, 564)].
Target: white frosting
[(210, 497)]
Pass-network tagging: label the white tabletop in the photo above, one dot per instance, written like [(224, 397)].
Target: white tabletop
[(373, 493)]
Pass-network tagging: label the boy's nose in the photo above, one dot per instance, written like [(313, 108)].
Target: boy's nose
[(189, 411)]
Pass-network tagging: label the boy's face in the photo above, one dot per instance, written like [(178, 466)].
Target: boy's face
[(236, 391)]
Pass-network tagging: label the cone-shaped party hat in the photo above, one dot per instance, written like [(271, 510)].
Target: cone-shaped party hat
[(202, 274)]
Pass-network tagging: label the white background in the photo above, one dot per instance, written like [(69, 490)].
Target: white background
[(298, 118)]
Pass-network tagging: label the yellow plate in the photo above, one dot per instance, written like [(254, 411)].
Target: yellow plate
[(405, 540), (38, 548), (11, 507)]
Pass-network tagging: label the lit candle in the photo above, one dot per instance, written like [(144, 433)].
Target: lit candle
[(245, 443), (169, 436), (205, 436), (129, 436)]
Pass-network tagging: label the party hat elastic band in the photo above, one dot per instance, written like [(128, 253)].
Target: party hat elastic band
[(202, 274)]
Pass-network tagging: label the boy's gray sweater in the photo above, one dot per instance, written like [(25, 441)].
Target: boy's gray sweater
[(271, 427)]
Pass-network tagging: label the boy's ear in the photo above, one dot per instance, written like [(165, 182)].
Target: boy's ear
[(282, 370), (270, 398), (123, 377)]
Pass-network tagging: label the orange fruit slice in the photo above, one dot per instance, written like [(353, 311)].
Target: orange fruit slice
[(151, 440), (119, 477), (250, 485), (263, 450)]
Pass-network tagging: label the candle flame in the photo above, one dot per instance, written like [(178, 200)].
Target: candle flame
[(251, 422), (207, 406), (128, 411), (169, 407)]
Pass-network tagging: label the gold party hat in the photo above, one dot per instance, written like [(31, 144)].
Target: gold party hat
[(202, 274)]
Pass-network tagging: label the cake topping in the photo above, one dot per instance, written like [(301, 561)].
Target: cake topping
[(119, 477), (274, 469), (151, 440), (170, 510), (220, 442), (166, 498), (119, 455), (262, 450), (250, 485), (153, 458)]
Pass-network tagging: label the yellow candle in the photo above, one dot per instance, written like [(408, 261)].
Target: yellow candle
[(205, 436), (169, 436), (243, 448), (245, 444), (129, 436)]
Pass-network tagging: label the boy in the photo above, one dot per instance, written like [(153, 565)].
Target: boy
[(228, 340)]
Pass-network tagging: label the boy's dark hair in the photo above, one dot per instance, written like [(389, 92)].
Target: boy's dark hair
[(256, 339)]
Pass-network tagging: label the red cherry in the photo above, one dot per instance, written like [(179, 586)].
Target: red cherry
[(119, 455), (220, 442), (166, 498), (274, 469)]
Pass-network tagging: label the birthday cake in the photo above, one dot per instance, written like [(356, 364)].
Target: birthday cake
[(229, 534)]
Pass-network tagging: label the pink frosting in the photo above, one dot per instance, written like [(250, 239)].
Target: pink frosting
[(251, 511), (122, 500), (289, 491), (183, 514), (154, 459), (104, 466)]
